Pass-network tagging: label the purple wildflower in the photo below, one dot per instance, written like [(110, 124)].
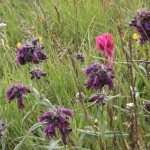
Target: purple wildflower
[(98, 98), (17, 91), (89, 83), (50, 130), (142, 25), (37, 74), (57, 118), (67, 112), (109, 82), (96, 82), (41, 54), (31, 51), (89, 69), (99, 76), (80, 57), (35, 41), (35, 58)]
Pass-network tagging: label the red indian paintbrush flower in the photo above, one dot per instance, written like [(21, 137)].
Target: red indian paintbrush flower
[(105, 45)]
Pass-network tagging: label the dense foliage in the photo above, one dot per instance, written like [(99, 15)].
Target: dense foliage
[(75, 74)]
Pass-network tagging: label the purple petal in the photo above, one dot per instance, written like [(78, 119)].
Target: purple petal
[(96, 83), (147, 26), (35, 58), (89, 83), (93, 98), (89, 69), (20, 104), (10, 93), (109, 81), (101, 99), (35, 41), (42, 55), (67, 112), (50, 130), (63, 121), (22, 48), (20, 59), (64, 139), (44, 116)]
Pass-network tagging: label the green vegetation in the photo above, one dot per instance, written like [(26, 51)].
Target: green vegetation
[(58, 22)]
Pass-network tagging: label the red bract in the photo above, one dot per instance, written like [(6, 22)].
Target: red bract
[(105, 45)]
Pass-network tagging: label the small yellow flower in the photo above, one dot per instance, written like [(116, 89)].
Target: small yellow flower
[(7, 46), (135, 36), (41, 40), (18, 44)]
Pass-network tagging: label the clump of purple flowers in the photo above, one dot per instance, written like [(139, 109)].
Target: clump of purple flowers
[(31, 51), (98, 98), (57, 118), (142, 25), (17, 91), (98, 76), (37, 74)]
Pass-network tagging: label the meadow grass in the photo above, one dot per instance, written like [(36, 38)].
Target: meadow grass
[(57, 21)]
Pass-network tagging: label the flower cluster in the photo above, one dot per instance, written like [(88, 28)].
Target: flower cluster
[(37, 74), (80, 57), (57, 118), (2, 124), (142, 25), (31, 51), (98, 76), (105, 45), (98, 98), (17, 91)]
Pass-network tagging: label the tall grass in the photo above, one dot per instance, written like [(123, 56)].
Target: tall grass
[(58, 21)]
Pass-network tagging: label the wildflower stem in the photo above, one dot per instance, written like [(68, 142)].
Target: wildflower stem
[(76, 78), (78, 84), (14, 80), (112, 127), (134, 128), (146, 64), (39, 89), (125, 143)]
